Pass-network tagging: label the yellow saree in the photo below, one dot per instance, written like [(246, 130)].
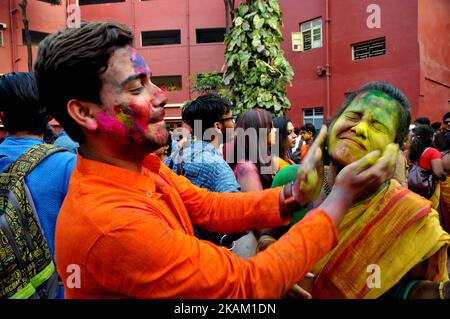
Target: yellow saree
[(395, 229), (444, 206)]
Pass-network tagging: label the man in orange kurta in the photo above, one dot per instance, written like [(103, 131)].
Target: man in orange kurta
[(125, 228)]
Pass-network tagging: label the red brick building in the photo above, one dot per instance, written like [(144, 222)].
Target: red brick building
[(337, 46)]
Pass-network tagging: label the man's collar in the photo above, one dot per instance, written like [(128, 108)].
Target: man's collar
[(120, 175)]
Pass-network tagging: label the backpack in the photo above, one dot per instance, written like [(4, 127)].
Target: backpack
[(27, 269), (420, 180)]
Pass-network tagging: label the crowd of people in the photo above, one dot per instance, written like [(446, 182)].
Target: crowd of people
[(226, 207)]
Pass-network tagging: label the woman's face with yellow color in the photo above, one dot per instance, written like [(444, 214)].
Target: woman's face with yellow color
[(369, 123)]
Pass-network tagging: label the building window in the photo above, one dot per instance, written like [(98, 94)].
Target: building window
[(168, 83), (311, 33), (36, 36), (314, 116), (210, 35), (369, 49), (162, 37), (1, 39), (86, 2)]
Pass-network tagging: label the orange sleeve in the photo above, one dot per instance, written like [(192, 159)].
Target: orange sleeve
[(152, 260), (229, 212)]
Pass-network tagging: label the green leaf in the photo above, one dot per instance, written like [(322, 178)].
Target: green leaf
[(262, 6), (272, 22), (243, 9), (238, 21), (258, 22), (227, 78), (245, 26)]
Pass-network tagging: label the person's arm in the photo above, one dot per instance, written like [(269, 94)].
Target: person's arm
[(248, 177), (438, 168), (228, 212), (144, 257), (446, 163), (224, 179)]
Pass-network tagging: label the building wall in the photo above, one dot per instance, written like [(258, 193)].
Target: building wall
[(434, 42), (399, 66), (6, 61), (185, 59), (416, 34), (307, 90), (42, 17)]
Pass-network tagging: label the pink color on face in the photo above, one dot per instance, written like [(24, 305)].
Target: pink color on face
[(110, 123)]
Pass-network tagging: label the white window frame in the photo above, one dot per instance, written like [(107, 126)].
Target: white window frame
[(312, 28), (317, 114)]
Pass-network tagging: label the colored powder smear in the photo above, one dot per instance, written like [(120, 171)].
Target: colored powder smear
[(110, 123), (138, 62)]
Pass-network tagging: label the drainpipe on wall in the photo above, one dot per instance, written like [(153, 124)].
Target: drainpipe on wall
[(133, 17), (12, 33), (188, 46), (327, 62)]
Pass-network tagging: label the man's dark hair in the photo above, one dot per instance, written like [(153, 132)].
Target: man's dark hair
[(281, 124), (19, 102), (422, 121), (404, 108), (309, 127), (208, 108), (436, 126), (69, 64), (446, 116)]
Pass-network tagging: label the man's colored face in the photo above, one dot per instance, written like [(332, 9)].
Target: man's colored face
[(307, 136), (446, 125), (132, 105), (369, 123)]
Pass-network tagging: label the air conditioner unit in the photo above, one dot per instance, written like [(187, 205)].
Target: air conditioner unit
[(297, 41), (3, 26)]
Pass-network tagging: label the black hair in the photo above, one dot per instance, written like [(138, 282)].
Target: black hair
[(208, 108), (251, 119), (436, 126), (446, 116), (309, 127), (281, 124), (69, 64), (19, 102), (404, 108), (423, 138), (422, 121)]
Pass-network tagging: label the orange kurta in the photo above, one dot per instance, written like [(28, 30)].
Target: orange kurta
[(131, 235)]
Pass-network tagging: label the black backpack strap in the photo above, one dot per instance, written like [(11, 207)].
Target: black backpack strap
[(31, 158)]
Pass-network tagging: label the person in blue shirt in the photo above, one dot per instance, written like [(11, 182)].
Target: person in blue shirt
[(25, 122), (201, 161), (64, 140)]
